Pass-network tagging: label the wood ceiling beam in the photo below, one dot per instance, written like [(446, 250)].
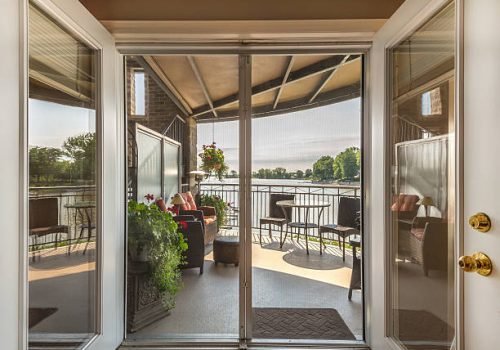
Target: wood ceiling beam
[(197, 73), (320, 67), (335, 96), (291, 59), (325, 81)]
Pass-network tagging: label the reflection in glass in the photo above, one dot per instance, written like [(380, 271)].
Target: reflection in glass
[(62, 186), (422, 185)]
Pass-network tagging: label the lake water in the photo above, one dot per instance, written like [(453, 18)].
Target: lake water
[(273, 182), (302, 189)]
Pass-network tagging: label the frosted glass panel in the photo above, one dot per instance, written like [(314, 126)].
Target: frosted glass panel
[(149, 165), (170, 169)]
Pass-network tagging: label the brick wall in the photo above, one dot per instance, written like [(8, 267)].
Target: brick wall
[(160, 110)]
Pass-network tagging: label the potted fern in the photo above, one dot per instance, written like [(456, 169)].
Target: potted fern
[(154, 240)]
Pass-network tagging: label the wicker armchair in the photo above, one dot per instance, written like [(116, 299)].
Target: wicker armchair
[(428, 243), (194, 256), (206, 215)]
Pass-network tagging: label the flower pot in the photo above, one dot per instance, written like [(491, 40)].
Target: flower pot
[(140, 255)]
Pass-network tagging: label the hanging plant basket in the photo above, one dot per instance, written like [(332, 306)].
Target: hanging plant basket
[(212, 161)]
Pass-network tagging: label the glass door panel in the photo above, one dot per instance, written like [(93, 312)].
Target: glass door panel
[(191, 103), (306, 190), (422, 197), (63, 186)]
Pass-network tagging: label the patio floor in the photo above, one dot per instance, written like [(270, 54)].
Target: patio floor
[(207, 305), (287, 278)]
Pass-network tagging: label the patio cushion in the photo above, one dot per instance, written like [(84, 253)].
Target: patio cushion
[(404, 202), (418, 233), (209, 219), (161, 204), (189, 201)]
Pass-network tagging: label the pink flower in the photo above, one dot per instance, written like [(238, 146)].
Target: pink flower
[(183, 225), (149, 197)]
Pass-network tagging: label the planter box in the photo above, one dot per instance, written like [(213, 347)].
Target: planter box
[(144, 303)]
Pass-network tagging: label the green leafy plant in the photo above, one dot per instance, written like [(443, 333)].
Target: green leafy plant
[(155, 238), (220, 206), (212, 161)]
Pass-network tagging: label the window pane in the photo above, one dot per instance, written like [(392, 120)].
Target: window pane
[(62, 186), (422, 230), (140, 97)]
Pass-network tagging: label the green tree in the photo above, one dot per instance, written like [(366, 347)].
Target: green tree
[(308, 173), (81, 150), (346, 165), (44, 163), (268, 174), (323, 169), (300, 174), (279, 173)]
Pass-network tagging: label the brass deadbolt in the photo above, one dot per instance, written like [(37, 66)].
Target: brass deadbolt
[(480, 222), (478, 262)]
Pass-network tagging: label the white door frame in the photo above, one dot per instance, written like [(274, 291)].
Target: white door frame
[(244, 54), (110, 265)]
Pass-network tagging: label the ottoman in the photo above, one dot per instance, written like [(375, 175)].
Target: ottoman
[(227, 250)]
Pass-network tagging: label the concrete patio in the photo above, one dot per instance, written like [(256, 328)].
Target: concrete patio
[(208, 304)]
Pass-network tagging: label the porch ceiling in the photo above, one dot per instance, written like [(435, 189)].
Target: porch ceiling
[(196, 10), (207, 86)]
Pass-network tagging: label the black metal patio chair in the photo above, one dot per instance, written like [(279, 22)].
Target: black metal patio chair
[(276, 214), (346, 222)]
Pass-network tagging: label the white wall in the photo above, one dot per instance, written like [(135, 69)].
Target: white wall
[(9, 175), (406, 18)]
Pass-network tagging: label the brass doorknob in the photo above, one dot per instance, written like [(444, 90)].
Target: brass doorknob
[(478, 262), (480, 222)]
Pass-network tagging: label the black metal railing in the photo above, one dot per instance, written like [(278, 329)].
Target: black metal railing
[(260, 193)]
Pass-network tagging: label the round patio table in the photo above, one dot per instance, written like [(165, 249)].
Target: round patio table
[(305, 205)]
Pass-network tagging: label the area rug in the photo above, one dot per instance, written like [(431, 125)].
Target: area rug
[(422, 330), (38, 314), (299, 323), (418, 325)]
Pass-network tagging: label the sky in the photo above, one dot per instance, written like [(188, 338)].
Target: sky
[(294, 140), (50, 124)]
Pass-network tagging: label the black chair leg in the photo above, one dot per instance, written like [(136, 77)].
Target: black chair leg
[(270, 236), (284, 239), (281, 236), (260, 234), (343, 248), (320, 242)]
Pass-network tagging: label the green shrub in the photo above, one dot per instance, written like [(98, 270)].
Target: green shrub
[(219, 205), (154, 234)]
